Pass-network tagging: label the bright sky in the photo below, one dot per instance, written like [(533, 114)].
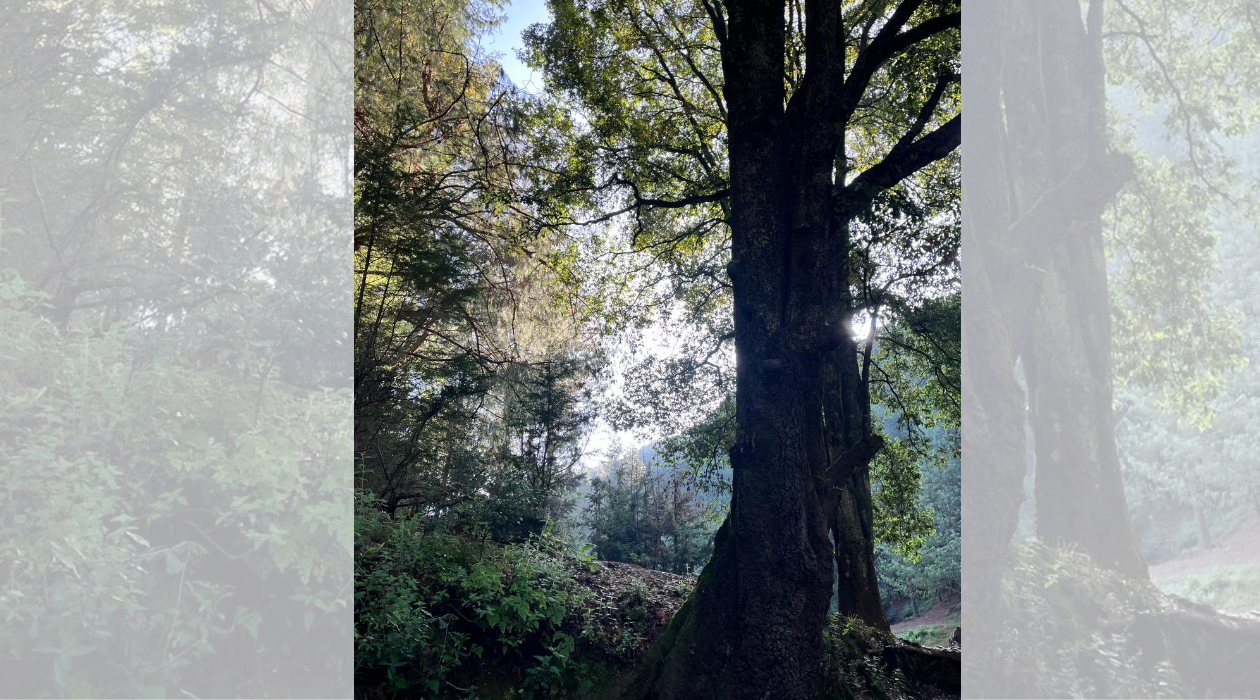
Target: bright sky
[(520, 14), (505, 43)]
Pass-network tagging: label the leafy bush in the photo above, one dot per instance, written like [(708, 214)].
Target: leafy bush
[(1057, 604), (851, 667), (431, 604)]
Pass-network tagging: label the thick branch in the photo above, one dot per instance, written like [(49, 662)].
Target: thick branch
[(929, 108), (887, 44), (919, 32), (1079, 197), (854, 459), (713, 8), (822, 90), (902, 161)]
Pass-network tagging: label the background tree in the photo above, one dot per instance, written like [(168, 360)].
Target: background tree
[(930, 571), (426, 268), (647, 515), (917, 388), (543, 425), (1183, 422), (473, 374), (468, 387)]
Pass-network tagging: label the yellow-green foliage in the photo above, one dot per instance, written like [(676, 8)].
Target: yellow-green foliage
[(106, 578), (929, 635)]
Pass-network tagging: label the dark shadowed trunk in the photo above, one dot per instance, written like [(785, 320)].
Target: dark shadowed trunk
[(1036, 185), (753, 626), (857, 588)]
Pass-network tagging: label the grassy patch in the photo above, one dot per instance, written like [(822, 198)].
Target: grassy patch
[(1229, 588), (929, 635)]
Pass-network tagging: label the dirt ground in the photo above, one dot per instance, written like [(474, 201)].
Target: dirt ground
[(938, 614), (1240, 548)]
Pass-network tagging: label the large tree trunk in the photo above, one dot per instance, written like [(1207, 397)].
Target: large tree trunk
[(857, 588), (1037, 181), (1055, 105), (753, 627)]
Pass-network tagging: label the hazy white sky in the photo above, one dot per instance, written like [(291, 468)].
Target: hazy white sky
[(505, 43)]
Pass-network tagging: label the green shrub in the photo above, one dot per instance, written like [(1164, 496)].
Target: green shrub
[(1057, 604), (452, 614), (851, 666)]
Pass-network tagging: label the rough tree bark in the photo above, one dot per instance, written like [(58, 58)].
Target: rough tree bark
[(857, 588), (753, 626), (1035, 188), (1035, 214)]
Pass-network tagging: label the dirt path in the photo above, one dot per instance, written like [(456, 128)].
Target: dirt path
[(1240, 548), (938, 614)]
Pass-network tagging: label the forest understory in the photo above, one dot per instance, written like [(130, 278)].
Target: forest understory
[(536, 621)]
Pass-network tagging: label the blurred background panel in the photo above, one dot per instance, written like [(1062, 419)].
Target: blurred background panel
[(1109, 218), (175, 411)]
